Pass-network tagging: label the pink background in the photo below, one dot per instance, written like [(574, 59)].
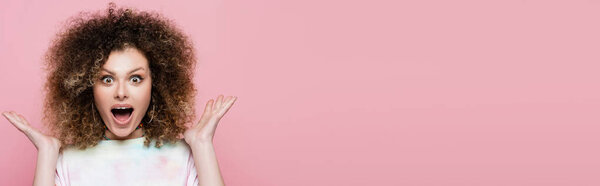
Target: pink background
[(342, 92)]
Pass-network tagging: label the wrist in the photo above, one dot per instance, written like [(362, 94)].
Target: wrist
[(201, 145), (200, 141), (48, 150)]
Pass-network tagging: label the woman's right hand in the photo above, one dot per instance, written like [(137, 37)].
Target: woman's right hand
[(41, 141)]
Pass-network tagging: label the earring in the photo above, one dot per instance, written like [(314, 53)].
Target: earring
[(153, 113), (93, 113)]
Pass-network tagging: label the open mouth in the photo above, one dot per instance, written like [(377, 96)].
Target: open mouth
[(122, 114)]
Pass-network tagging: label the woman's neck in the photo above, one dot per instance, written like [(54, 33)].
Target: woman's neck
[(138, 133)]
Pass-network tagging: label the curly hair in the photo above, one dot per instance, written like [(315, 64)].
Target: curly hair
[(77, 54)]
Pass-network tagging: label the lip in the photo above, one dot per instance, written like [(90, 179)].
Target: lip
[(124, 123), (121, 105)]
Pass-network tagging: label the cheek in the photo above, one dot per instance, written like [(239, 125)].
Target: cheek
[(147, 90), (142, 94), (147, 94), (101, 97)]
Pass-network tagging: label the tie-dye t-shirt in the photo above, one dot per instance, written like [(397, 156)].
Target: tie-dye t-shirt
[(127, 162)]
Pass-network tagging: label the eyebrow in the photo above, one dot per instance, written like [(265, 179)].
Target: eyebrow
[(139, 68)]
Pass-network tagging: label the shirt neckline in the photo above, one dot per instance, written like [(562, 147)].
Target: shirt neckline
[(125, 141)]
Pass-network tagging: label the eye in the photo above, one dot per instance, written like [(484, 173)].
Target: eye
[(106, 80), (136, 79)]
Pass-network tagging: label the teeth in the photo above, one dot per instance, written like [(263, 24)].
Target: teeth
[(121, 107)]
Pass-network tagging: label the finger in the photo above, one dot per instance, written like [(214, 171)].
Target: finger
[(230, 102), (210, 104), (22, 118), (227, 99), (20, 123), (224, 104), (14, 121), (23, 122), (207, 108), (228, 105), (219, 101), (16, 116), (13, 115)]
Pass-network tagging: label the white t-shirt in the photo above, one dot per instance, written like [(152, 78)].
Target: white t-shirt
[(127, 162)]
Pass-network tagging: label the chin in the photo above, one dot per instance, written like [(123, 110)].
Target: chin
[(122, 133)]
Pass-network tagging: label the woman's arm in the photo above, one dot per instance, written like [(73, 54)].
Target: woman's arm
[(206, 164), (45, 167), (48, 148), (200, 135)]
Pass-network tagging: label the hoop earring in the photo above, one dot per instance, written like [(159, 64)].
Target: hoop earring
[(93, 113), (152, 116)]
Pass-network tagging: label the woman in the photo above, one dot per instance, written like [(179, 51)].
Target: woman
[(119, 96)]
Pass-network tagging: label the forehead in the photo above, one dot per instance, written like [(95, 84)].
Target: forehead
[(121, 61)]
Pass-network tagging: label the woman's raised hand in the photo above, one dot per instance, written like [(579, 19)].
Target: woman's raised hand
[(204, 130), (40, 140)]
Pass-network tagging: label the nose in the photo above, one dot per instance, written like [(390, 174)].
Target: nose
[(121, 92)]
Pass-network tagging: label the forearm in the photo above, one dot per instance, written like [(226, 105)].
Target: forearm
[(45, 167), (206, 164)]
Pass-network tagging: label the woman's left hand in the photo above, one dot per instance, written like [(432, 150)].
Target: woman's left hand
[(204, 130)]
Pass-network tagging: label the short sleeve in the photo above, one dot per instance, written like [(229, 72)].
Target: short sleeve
[(59, 178), (192, 176)]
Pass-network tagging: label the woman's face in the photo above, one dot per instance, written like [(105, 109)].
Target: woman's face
[(122, 92)]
